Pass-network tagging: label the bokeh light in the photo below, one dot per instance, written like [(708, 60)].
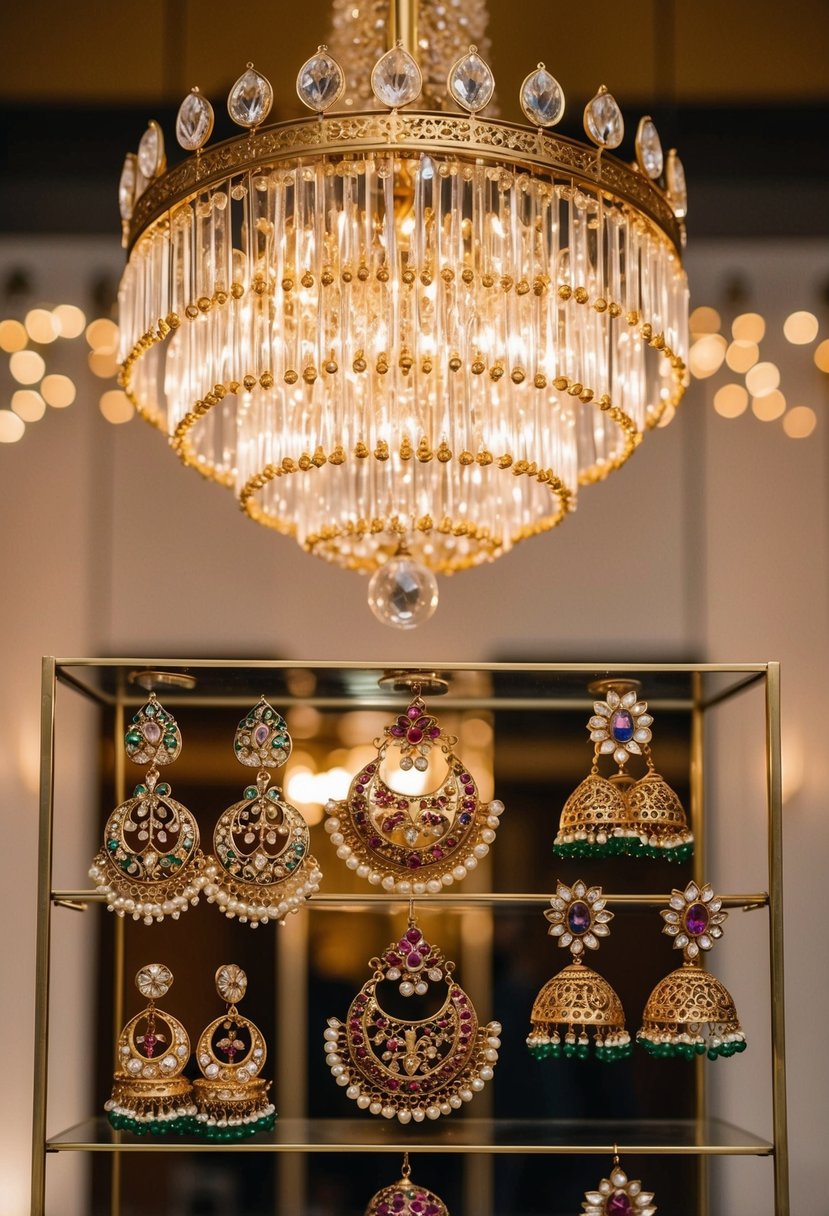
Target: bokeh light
[(801, 328), (762, 379), (799, 422), (731, 400), (116, 407), (58, 391), (770, 406), (748, 327), (27, 366), (28, 405)]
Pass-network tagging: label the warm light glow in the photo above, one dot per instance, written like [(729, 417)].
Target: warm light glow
[(706, 355), (13, 336), (799, 422), (801, 328), (70, 320), (58, 391), (476, 732), (27, 366), (822, 356), (762, 378), (41, 326), (103, 363), (741, 355), (11, 427), (116, 406), (704, 320), (770, 406), (748, 327), (102, 335), (731, 400), (28, 405), (306, 789), (303, 721)]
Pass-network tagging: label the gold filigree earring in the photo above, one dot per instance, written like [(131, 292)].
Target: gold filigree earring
[(231, 1097), (618, 1196), (261, 868), (149, 865), (411, 1069), (690, 998), (406, 840), (149, 1094), (605, 817), (578, 997), (406, 1198)]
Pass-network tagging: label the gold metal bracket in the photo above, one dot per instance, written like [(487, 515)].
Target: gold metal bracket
[(417, 683)]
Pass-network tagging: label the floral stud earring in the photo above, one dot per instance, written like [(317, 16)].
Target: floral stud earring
[(618, 1196), (607, 816), (690, 998), (149, 1094), (577, 997)]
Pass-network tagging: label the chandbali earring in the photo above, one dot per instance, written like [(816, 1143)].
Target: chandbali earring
[(149, 865), (415, 841), (417, 1069), (149, 1094), (231, 1097), (406, 1198), (261, 868), (690, 998), (577, 997), (605, 817), (618, 1196)]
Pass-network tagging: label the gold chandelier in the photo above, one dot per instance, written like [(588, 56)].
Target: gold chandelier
[(401, 331)]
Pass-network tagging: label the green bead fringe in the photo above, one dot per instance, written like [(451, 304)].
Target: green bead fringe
[(240, 1132), (580, 1051), (624, 846), (185, 1125), (688, 1051)]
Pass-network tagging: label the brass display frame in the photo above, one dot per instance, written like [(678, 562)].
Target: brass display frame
[(701, 1137)]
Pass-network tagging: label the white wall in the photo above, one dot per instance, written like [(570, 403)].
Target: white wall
[(710, 543)]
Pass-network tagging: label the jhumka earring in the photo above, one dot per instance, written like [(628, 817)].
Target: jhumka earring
[(231, 1097), (577, 997), (417, 1069), (413, 842), (618, 1196), (148, 866), (690, 998), (406, 1198), (261, 868), (149, 1094), (604, 817)]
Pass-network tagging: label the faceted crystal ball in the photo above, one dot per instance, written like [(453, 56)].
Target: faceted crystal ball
[(403, 593)]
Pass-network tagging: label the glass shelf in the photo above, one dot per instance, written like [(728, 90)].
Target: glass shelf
[(684, 1137)]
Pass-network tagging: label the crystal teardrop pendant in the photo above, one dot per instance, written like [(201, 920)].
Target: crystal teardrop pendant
[(194, 123), (470, 82), (542, 98), (320, 83), (151, 160), (649, 148), (603, 120), (396, 79), (126, 187), (249, 101), (403, 593), (677, 189)]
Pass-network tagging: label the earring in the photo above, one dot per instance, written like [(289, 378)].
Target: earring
[(577, 997), (605, 817), (406, 1198), (261, 868), (231, 1098), (148, 866), (690, 998), (413, 842), (417, 1069), (616, 1196), (149, 1094)]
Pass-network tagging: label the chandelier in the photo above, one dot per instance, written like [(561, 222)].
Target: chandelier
[(402, 330)]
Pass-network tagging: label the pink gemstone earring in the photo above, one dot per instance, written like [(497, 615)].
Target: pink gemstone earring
[(413, 842), (261, 867), (690, 999), (148, 867), (406, 1198), (411, 1069), (618, 1196)]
